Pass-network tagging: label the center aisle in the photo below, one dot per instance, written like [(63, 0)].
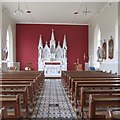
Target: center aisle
[(53, 102)]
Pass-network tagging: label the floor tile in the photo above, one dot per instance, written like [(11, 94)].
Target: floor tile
[(53, 102)]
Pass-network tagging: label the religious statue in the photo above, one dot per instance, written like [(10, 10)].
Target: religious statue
[(78, 66), (111, 48), (5, 54), (99, 54), (104, 50)]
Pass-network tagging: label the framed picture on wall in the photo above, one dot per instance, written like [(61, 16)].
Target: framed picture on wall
[(110, 48), (104, 50)]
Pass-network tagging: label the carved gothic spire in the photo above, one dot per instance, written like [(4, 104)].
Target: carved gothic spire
[(46, 45), (64, 43), (52, 41), (40, 45), (58, 46)]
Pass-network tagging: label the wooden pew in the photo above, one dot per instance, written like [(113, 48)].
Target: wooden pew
[(22, 92), (36, 73), (24, 77), (11, 101), (17, 81), (36, 86), (112, 114), (86, 92), (66, 74), (19, 74), (93, 81), (86, 74), (100, 86), (10, 87), (104, 101), (109, 78), (91, 76), (74, 80), (22, 74)]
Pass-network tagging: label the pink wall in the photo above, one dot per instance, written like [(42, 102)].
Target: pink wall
[(27, 37)]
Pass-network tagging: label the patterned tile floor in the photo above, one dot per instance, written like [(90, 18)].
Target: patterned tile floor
[(53, 102)]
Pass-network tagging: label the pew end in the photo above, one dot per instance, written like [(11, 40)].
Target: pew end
[(102, 101), (3, 113), (112, 114)]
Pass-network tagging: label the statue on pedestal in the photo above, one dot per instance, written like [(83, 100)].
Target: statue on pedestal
[(5, 54), (78, 66)]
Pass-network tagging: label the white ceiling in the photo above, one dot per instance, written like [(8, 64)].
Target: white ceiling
[(54, 12)]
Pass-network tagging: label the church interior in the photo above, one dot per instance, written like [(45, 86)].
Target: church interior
[(59, 60)]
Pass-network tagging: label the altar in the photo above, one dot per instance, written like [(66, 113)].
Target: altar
[(52, 59), (52, 69)]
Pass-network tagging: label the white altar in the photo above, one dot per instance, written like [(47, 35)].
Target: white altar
[(52, 69), (52, 59)]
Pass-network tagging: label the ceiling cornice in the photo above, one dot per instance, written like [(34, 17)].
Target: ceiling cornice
[(49, 23), (60, 1)]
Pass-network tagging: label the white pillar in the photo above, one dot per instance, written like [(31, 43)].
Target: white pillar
[(0, 35), (119, 38)]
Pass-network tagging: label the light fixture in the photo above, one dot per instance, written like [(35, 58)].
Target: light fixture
[(28, 11), (86, 11), (18, 11), (76, 13), (109, 4)]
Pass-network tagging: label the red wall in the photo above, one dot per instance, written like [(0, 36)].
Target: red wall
[(27, 38)]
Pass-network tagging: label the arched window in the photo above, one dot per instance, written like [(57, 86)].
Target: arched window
[(99, 41), (116, 41), (97, 45), (9, 44)]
